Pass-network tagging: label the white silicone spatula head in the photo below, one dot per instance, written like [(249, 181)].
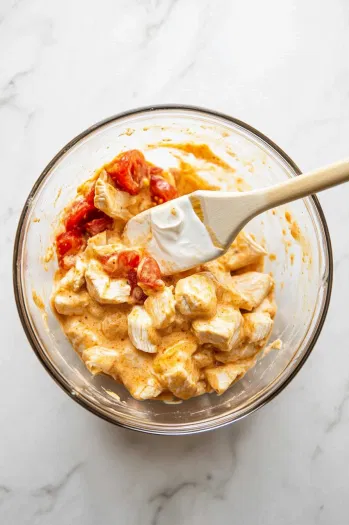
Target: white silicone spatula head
[(199, 227)]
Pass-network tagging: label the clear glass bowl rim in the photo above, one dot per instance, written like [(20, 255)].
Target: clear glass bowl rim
[(18, 285)]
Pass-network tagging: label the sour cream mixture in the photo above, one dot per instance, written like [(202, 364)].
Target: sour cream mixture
[(130, 315), (174, 232)]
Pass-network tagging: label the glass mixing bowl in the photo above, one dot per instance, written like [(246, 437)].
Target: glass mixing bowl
[(302, 268)]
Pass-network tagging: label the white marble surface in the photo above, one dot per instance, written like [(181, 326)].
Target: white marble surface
[(282, 66)]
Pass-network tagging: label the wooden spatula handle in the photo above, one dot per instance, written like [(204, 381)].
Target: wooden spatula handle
[(303, 185)]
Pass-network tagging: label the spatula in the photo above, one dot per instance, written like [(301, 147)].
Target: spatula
[(201, 226)]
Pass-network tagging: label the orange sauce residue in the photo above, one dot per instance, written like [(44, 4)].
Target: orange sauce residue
[(38, 301), (288, 216), (128, 132), (187, 179), (292, 258), (272, 257), (59, 192), (200, 151), (40, 304), (295, 231)]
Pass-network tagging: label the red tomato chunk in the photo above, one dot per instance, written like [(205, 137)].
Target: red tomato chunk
[(120, 263), (69, 243), (159, 187), (137, 293), (98, 225), (149, 273), (128, 171)]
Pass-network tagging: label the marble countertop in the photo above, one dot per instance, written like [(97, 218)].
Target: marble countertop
[(283, 68)]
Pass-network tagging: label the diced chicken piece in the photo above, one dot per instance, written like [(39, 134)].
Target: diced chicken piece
[(250, 289), (100, 359), (222, 280), (242, 252), (268, 306), (176, 369), (80, 336), (223, 331), (141, 330), (70, 303), (237, 354), (111, 201), (222, 377), (257, 326), (196, 296), (101, 250), (104, 289), (126, 364), (115, 325), (74, 279), (162, 308), (204, 357)]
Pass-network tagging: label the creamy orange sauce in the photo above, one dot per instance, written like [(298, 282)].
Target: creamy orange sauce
[(185, 361)]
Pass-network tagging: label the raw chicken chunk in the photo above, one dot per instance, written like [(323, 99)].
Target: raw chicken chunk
[(126, 364), (204, 357), (221, 377), (242, 252), (74, 279), (141, 330), (223, 331), (237, 354), (104, 289), (267, 306), (176, 369), (250, 289), (196, 296), (70, 303), (257, 326), (111, 201), (161, 307)]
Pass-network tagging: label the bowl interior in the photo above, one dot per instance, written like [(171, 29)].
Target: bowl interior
[(294, 235)]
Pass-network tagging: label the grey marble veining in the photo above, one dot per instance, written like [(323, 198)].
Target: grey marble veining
[(282, 67)]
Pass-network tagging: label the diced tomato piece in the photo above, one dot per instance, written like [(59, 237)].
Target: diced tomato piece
[(69, 243), (149, 274), (129, 259), (154, 170), (159, 187), (110, 263), (128, 170), (132, 278), (81, 212), (137, 293), (120, 263), (98, 225), (85, 216)]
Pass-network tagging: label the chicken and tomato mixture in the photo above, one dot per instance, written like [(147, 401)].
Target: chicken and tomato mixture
[(181, 335)]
